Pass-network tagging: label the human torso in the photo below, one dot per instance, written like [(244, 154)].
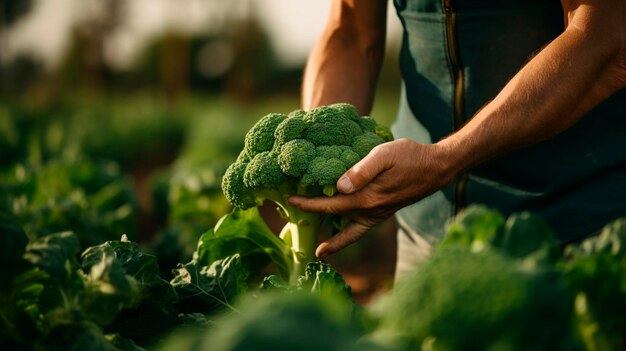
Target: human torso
[(456, 56)]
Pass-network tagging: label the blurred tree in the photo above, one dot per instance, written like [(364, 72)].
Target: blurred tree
[(174, 65), (11, 10), (254, 68), (84, 66)]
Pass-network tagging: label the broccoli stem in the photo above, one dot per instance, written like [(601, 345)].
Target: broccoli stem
[(303, 228)]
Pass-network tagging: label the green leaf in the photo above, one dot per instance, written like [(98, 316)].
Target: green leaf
[(321, 278), (276, 283), (525, 234), (206, 289), (245, 233), (476, 227), (108, 289), (596, 272), (156, 314), (55, 254)]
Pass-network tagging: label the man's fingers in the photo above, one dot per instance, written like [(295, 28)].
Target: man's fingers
[(364, 171), (323, 204), (351, 233)]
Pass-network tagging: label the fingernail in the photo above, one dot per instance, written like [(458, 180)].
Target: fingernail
[(344, 185), (320, 251)]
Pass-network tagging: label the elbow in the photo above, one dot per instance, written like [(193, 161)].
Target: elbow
[(617, 65), (603, 29)]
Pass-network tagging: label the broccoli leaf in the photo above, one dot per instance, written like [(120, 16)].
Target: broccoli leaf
[(245, 233), (319, 278), (209, 288), (158, 297), (528, 236), (108, 289), (476, 227), (55, 254)]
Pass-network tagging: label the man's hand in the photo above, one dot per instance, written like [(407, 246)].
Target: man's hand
[(391, 176)]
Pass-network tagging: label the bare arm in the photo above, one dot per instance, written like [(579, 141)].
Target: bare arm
[(344, 65), (578, 70), (574, 73)]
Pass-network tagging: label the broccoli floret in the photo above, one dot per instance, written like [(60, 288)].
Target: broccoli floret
[(289, 129), (329, 126), (295, 157), (297, 114), (368, 124), (364, 143), (384, 132), (303, 153), (260, 137), (234, 189), (325, 172), (263, 172), (349, 157)]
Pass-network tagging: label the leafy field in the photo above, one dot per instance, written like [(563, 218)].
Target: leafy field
[(115, 235)]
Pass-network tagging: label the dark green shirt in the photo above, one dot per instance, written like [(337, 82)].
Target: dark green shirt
[(454, 59)]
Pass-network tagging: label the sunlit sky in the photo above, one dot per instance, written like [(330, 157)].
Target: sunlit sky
[(293, 26)]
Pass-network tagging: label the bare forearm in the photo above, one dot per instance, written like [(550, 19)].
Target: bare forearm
[(344, 65), (555, 89)]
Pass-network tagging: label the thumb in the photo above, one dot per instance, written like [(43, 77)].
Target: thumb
[(365, 170)]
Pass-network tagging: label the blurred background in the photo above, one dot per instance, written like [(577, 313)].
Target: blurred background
[(164, 90)]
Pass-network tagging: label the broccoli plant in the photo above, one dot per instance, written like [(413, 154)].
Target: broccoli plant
[(303, 153)]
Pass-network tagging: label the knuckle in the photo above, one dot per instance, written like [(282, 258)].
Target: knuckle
[(379, 151), (372, 201)]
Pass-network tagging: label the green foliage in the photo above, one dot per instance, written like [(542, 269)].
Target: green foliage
[(93, 200), (522, 236), (596, 272), (55, 303), (157, 296), (494, 283), (278, 322), (319, 278), (13, 242), (464, 300), (123, 131), (54, 254), (192, 201)]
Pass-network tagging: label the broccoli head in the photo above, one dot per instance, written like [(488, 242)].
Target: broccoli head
[(463, 300), (303, 153)]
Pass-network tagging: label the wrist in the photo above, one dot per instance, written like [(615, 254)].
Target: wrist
[(454, 157)]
